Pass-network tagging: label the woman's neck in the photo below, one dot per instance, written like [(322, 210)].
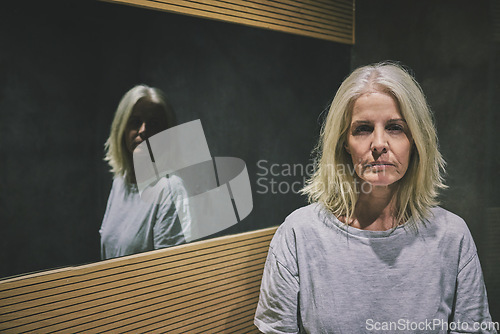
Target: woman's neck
[(376, 210)]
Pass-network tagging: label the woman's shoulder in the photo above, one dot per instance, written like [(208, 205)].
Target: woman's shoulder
[(448, 221), (303, 212), (452, 230), (296, 225), (305, 220), (303, 217), (120, 188)]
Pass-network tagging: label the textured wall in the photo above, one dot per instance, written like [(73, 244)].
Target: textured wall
[(450, 47), (64, 69)]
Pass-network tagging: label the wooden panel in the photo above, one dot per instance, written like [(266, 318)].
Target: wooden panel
[(206, 286), (325, 19)]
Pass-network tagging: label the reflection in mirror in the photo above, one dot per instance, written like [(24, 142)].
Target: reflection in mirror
[(258, 93), (132, 225)]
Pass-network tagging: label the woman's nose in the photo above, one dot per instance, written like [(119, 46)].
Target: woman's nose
[(379, 143)]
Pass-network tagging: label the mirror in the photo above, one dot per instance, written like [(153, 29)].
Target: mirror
[(259, 95)]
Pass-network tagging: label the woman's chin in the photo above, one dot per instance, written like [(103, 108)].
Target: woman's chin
[(380, 182)]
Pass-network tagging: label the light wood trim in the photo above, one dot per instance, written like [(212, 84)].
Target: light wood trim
[(103, 277), (325, 19), (206, 286), (332, 17), (101, 301), (305, 12)]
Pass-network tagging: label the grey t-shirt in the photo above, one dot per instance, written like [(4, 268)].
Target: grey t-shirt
[(133, 224), (324, 277)]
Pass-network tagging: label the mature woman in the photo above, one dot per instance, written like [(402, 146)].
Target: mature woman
[(133, 224), (374, 252)]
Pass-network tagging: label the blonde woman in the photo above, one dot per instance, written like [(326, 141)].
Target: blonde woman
[(374, 252), (131, 224)]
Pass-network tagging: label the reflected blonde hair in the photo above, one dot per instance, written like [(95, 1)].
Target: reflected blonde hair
[(116, 154), (336, 189)]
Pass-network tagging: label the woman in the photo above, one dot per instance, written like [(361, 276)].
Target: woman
[(374, 253), (133, 224)]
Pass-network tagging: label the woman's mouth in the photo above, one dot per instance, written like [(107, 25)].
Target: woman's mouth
[(378, 165)]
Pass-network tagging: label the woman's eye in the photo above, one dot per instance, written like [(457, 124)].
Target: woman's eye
[(395, 128), (362, 129)]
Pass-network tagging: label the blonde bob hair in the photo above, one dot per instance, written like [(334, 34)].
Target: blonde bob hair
[(334, 182), (116, 153)]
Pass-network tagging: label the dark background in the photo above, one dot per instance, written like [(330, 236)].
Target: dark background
[(259, 94)]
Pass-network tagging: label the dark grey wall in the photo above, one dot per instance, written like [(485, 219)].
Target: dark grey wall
[(64, 67), (450, 47)]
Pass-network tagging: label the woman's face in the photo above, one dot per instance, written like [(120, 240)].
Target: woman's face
[(146, 120), (378, 140)]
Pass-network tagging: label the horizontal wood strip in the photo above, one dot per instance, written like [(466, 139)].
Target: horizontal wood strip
[(241, 319), (343, 15), (304, 12), (251, 294), (246, 327), (239, 13), (183, 287), (245, 313), (191, 323), (221, 10), (240, 325), (335, 18), (136, 273), (330, 4), (226, 318), (250, 328), (42, 281), (137, 319), (155, 317), (273, 10), (114, 300), (78, 297), (170, 299), (128, 317), (121, 305), (55, 302), (193, 320)]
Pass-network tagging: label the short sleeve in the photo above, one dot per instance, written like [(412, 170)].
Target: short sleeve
[(471, 313), (277, 310), (470, 310)]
